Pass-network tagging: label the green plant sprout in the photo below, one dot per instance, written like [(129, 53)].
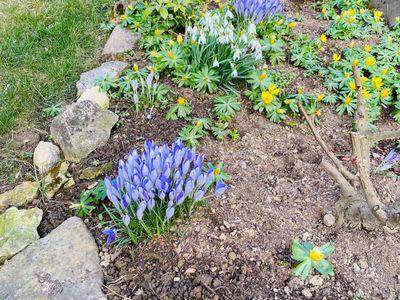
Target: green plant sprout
[(181, 109), (309, 257)]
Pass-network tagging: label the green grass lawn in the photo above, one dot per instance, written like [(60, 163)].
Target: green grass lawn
[(44, 46)]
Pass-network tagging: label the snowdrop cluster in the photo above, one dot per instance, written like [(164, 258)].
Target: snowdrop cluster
[(159, 178), (217, 25)]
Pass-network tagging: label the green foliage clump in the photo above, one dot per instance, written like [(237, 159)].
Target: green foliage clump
[(304, 52)]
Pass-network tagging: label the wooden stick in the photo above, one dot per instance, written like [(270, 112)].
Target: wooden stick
[(328, 152), (347, 190), (385, 135)]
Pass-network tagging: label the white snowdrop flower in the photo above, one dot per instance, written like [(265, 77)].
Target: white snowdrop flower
[(221, 40), (215, 18), (230, 34), (202, 39), (243, 38), (237, 54), (234, 73), (252, 29), (229, 15), (216, 63)]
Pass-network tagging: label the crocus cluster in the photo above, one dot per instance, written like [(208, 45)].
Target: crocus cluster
[(388, 161), (257, 10), (159, 178), (217, 25)]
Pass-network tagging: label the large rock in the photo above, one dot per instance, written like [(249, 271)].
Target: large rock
[(81, 128), (120, 41), (17, 230), (45, 156), (390, 9), (55, 179), (95, 95), (20, 195), (62, 265), (111, 69)]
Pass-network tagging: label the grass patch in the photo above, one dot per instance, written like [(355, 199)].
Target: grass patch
[(45, 45)]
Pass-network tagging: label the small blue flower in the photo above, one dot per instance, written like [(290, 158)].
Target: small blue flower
[(220, 188), (170, 212), (111, 234), (199, 194), (388, 161)]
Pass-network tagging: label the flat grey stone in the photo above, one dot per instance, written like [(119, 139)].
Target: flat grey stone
[(18, 230), (22, 194), (63, 265), (82, 128), (88, 79), (120, 41), (390, 9)]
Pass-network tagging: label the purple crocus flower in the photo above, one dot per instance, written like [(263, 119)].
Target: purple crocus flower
[(126, 219), (170, 212), (111, 234), (220, 188), (199, 194), (388, 161)]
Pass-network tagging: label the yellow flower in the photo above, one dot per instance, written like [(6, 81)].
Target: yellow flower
[(377, 82), (366, 93), (378, 14), (355, 62), (184, 78), (316, 255), (171, 43), (385, 92), (151, 69), (287, 101), (351, 45), (363, 79), (300, 91), (337, 18), (346, 75), (267, 97), (292, 25), (262, 76), (370, 61), (123, 18), (352, 12), (367, 48), (345, 13), (198, 124), (157, 33), (317, 113), (181, 101), (154, 54), (323, 38), (272, 39), (347, 100), (320, 97), (171, 55), (179, 39), (384, 72), (336, 57), (135, 67), (273, 89), (352, 85), (280, 111), (217, 171), (350, 20)]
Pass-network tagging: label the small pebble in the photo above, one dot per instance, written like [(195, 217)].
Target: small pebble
[(329, 220)]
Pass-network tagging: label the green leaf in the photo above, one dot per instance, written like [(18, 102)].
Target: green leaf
[(299, 252), (327, 249), (163, 12), (303, 269), (324, 267)]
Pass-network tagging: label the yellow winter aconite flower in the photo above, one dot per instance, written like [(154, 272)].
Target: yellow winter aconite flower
[(292, 25), (198, 124), (323, 10), (377, 15), (367, 48), (272, 39), (181, 101), (154, 54), (316, 255), (355, 62), (217, 171), (123, 18), (151, 69), (323, 38), (135, 67), (350, 20), (352, 12), (370, 61), (157, 33), (336, 57), (366, 94), (171, 43), (320, 97), (179, 39), (262, 76), (347, 100), (352, 85), (385, 92), (384, 72), (351, 45), (363, 79), (377, 82), (273, 89), (287, 101), (317, 113), (280, 111), (346, 75), (171, 55), (300, 91), (267, 97)]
